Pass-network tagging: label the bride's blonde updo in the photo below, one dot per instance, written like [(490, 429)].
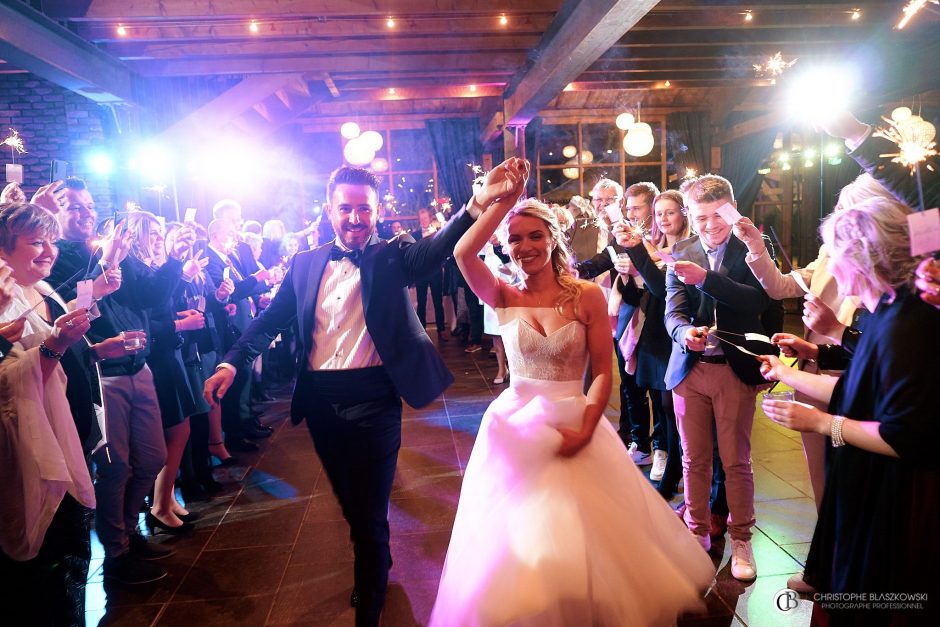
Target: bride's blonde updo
[(561, 254)]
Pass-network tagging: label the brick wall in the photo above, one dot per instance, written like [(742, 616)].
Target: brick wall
[(55, 124)]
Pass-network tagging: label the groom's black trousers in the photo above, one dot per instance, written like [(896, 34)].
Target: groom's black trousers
[(354, 417)]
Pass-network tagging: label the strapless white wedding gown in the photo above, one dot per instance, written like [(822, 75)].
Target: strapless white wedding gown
[(545, 540)]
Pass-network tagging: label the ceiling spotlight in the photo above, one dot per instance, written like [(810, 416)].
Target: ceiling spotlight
[(856, 14), (503, 20), (473, 88), (253, 27), (667, 84), (391, 91), (390, 22), (121, 30), (748, 16)]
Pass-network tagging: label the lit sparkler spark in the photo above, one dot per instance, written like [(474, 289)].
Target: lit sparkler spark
[(15, 142), (638, 230), (690, 173), (774, 66), (913, 139), (911, 9), (479, 172)]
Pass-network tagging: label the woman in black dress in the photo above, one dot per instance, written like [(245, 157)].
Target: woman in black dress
[(878, 523), (169, 376)]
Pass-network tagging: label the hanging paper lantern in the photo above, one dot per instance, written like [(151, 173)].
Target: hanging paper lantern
[(357, 153), (349, 130), (624, 121), (569, 151), (923, 132), (638, 144), (587, 156), (372, 140), (379, 165), (641, 127), (570, 173)]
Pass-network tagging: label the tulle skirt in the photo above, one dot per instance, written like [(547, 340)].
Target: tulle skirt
[(545, 540)]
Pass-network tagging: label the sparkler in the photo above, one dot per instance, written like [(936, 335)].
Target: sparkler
[(911, 9), (690, 173), (914, 138), (15, 142), (774, 66)]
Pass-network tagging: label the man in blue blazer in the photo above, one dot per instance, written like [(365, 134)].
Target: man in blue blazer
[(364, 350), (712, 300)]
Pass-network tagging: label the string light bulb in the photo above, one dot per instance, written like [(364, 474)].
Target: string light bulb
[(503, 20), (390, 22), (253, 26), (121, 30)]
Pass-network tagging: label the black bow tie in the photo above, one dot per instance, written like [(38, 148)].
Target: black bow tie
[(337, 253)]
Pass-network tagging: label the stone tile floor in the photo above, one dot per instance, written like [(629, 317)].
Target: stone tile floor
[(274, 549)]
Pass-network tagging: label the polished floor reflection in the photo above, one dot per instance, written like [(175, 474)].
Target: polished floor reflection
[(274, 549)]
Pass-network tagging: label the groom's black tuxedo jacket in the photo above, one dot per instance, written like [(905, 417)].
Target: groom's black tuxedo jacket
[(387, 268), (733, 294)]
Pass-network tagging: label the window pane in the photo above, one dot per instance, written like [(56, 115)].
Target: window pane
[(644, 173), (412, 191), (558, 145), (654, 155), (593, 174), (601, 143), (411, 150), (558, 185)]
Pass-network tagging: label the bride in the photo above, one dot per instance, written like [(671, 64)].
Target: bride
[(555, 524)]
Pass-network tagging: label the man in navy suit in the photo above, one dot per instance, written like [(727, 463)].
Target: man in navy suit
[(711, 294), (365, 350)]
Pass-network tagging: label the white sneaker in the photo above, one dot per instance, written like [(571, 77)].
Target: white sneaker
[(639, 458), (743, 567), (659, 465)]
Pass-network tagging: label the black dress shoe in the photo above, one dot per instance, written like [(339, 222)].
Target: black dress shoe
[(254, 434), (191, 517), (241, 445), (155, 523), (142, 549)]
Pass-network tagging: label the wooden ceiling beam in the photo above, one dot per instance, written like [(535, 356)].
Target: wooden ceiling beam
[(379, 9), (744, 37), (755, 125), (33, 42), (226, 108), (339, 63), (130, 50), (581, 32), (195, 30)]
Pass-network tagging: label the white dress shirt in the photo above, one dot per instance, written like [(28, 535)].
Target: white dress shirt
[(340, 338)]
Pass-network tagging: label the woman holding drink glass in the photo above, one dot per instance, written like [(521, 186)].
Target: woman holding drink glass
[(879, 516)]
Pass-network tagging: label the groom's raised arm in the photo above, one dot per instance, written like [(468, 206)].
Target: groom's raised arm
[(427, 255)]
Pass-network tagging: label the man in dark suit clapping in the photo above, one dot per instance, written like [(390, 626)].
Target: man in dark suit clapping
[(364, 351)]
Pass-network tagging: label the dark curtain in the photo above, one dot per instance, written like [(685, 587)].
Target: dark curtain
[(690, 140), (740, 161), (456, 142)]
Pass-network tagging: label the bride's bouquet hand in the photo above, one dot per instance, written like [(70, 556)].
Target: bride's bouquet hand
[(507, 180), (573, 441)]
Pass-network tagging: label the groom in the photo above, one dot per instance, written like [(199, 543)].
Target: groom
[(365, 350)]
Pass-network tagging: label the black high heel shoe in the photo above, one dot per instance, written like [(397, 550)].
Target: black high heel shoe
[(228, 461), (154, 523)]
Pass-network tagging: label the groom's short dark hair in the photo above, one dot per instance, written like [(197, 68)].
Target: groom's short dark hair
[(351, 176)]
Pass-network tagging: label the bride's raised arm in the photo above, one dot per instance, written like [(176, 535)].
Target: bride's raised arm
[(501, 188)]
